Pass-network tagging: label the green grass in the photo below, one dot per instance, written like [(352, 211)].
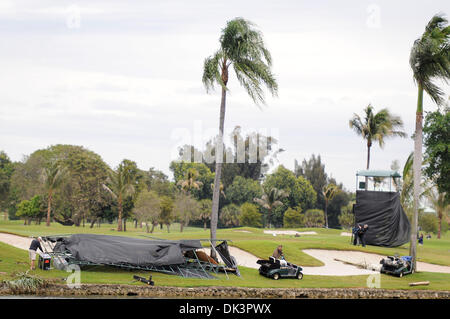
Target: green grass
[(14, 260), (250, 239)]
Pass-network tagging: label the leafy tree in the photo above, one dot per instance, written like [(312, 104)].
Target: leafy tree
[(166, 217), (347, 218), (242, 47), (78, 194), (437, 150), (271, 200), (250, 156), (31, 209), (243, 190), (429, 222), (121, 184), (293, 218), (328, 192), (429, 60), (6, 171), (250, 216), (148, 209), (229, 215), (186, 208), (204, 213), (53, 175), (314, 218), (300, 191), (204, 178), (314, 171), (440, 205), (190, 181), (376, 127)]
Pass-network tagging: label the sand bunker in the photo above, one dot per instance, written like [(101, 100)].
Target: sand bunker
[(332, 266), (289, 232)]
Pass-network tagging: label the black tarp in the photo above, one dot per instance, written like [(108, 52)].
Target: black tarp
[(388, 224), (104, 249)]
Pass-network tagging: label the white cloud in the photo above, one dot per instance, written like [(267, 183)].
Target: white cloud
[(130, 75)]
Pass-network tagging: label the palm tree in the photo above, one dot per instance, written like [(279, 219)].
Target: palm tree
[(190, 182), (120, 185), (242, 47), (429, 61), (440, 205), (271, 200), (53, 176), (376, 127), (328, 192)]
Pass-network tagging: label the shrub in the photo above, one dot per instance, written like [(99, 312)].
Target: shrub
[(293, 218), (250, 216), (429, 223), (346, 218), (314, 218)]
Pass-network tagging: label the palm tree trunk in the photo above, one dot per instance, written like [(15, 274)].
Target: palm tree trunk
[(49, 206), (326, 213), (216, 190), (369, 144), (417, 166), (440, 228), (119, 219)]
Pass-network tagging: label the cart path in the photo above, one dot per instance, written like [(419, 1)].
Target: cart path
[(331, 267)]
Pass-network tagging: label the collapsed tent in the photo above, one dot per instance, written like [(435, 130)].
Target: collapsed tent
[(168, 256), (388, 224)]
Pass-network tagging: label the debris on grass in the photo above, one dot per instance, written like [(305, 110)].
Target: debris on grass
[(25, 282), (419, 283)]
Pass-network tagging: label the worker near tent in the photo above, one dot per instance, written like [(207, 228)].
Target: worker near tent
[(35, 245), (278, 254), (359, 232)]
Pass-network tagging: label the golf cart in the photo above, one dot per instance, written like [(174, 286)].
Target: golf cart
[(272, 268), (397, 266)]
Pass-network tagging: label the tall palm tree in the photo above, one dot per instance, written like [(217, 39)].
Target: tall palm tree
[(271, 200), (376, 127), (190, 181), (242, 47), (53, 176), (120, 185), (429, 61), (328, 192)]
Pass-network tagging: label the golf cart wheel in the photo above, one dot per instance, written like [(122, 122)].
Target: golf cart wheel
[(400, 275), (276, 276), (299, 276)]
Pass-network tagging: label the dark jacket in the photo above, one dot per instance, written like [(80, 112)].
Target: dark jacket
[(35, 245)]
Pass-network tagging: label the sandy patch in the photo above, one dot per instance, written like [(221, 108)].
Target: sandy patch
[(242, 231), (16, 241), (332, 267), (346, 234), (289, 232)]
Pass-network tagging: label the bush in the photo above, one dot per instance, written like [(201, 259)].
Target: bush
[(346, 218), (429, 223), (250, 216), (314, 218), (293, 218), (229, 215)]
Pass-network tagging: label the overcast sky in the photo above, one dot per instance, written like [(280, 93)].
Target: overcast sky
[(123, 78)]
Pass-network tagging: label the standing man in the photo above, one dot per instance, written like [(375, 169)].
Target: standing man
[(35, 244)]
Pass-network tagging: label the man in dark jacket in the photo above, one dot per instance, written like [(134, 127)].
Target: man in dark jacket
[(35, 245), (359, 233)]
